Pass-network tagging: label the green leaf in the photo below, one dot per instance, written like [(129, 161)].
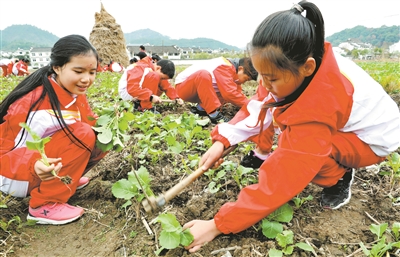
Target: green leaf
[(271, 229), (33, 145), (123, 124), (99, 129), (124, 189), (176, 148), (129, 116), (186, 237), (275, 253), (117, 142), (169, 223), (378, 230), (127, 204), (288, 250), (169, 240), (105, 137), (285, 238), (282, 214), (304, 246), (103, 120)]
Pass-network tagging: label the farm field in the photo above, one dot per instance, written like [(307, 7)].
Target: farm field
[(167, 147)]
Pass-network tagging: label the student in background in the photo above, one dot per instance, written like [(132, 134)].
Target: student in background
[(21, 68), (52, 102), (142, 49), (214, 82), (155, 58), (7, 65), (115, 67), (141, 55), (145, 81), (333, 118), (132, 63), (99, 67)]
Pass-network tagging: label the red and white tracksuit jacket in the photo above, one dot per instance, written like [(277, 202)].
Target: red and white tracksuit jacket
[(139, 82), (20, 68), (6, 65), (343, 118), (18, 177), (210, 83)]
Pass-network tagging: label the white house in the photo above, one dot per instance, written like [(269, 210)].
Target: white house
[(395, 47), (40, 56), (165, 52)]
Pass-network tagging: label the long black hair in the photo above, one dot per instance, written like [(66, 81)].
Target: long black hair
[(287, 39), (61, 53)]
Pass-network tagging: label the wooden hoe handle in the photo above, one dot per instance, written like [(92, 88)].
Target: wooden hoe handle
[(153, 203)]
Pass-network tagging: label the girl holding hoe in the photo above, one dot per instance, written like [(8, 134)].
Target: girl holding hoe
[(52, 102), (332, 116)]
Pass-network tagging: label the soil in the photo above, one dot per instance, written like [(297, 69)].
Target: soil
[(106, 229)]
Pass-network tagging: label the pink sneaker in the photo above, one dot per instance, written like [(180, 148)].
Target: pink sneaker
[(83, 181), (55, 213)]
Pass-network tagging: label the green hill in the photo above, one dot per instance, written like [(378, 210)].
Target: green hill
[(27, 36), (144, 36), (381, 37)]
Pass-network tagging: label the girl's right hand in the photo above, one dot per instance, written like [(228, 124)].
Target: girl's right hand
[(212, 158), (44, 172)]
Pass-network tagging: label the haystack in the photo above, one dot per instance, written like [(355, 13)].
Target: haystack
[(108, 38)]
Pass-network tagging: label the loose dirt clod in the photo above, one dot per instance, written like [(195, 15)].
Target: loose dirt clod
[(108, 39)]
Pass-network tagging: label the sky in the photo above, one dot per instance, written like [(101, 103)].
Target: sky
[(230, 21)]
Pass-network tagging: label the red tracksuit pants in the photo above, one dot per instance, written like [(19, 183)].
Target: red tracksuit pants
[(5, 70), (198, 88), (76, 161), (348, 151)]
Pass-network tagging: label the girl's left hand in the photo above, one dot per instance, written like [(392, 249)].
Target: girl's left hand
[(203, 231), (179, 101), (44, 172)]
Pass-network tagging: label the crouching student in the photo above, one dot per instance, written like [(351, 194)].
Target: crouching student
[(7, 65), (332, 115), (52, 102), (144, 83), (21, 68), (213, 83)]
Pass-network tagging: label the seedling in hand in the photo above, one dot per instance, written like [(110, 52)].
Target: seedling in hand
[(38, 145)]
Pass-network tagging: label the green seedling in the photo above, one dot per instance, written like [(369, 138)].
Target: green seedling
[(3, 200), (271, 226), (137, 186), (15, 224), (382, 246), (38, 145), (298, 202), (172, 234), (113, 126), (393, 162), (286, 242)]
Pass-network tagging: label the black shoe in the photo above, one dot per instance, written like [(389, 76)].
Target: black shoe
[(338, 195), (251, 161), (195, 110), (219, 118), (152, 109), (136, 106)]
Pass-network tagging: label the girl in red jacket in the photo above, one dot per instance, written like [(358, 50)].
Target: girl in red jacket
[(332, 116), (52, 102)]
